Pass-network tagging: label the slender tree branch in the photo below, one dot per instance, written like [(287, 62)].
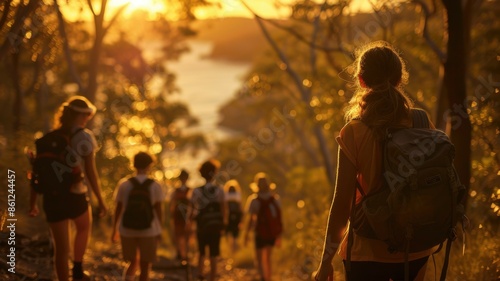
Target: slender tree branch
[(305, 94), (427, 13), (102, 12), (300, 37), (67, 51), (115, 16), (91, 7), (379, 17), (294, 75)]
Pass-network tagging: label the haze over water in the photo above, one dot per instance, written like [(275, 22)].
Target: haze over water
[(205, 85)]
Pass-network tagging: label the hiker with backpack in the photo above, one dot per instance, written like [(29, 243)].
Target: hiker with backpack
[(208, 210), (235, 212), (65, 157), (395, 180), (138, 218), (179, 203), (265, 221)]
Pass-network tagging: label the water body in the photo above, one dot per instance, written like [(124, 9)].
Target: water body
[(205, 84)]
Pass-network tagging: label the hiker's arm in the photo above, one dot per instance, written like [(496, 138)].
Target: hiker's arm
[(339, 212), (250, 226), (118, 211), (158, 209), (93, 178), (224, 210), (190, 212), (33, 207), (172, 211)]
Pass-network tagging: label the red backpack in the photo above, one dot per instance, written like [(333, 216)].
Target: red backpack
[(269, 225), (181, 206)]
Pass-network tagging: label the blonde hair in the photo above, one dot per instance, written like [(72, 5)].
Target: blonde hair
[(69, 111), (379, 101), (232, 183)]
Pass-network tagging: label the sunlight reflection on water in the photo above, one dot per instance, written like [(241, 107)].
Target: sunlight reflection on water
[(205, 84)]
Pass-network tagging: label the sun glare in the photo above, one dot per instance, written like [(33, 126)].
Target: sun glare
[(151, 6)]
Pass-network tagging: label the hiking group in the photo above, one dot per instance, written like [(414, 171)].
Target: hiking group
[(64, 166), (397, 197)]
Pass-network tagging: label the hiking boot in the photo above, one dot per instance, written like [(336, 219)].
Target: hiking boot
[(85, 277)]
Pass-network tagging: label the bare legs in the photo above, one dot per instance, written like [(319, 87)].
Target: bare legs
[(83, 227), (264, 262), (182, 239), (135, 264), (60, 236)]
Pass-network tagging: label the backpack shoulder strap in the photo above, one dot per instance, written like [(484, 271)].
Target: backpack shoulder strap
[(147, 182), (134, 181), (420, 119), (75, 132)]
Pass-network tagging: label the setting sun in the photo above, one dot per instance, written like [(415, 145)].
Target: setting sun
[(152, 6)]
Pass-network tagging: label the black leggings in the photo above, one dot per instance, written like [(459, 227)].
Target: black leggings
[(379, 271)]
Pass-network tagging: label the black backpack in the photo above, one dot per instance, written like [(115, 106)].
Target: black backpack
[(138, 214), (209, 218), (419, 204), (56, 165), (235, 212)]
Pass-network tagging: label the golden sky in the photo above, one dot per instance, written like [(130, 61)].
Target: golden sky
[(229, 8)]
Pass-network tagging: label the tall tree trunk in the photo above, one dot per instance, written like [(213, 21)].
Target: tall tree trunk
[(93, 68), (67, 51), (17, 109), (454, 79), (442, 102)]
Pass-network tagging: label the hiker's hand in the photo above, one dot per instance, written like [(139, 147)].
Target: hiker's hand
[(103, 210), (34, 211), (115, 236), (277, 243), (324, 272)]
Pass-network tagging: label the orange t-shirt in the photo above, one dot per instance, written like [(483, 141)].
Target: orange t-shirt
[(362, 148)]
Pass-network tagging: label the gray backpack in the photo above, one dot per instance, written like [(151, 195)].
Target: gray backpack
[(419, 204)]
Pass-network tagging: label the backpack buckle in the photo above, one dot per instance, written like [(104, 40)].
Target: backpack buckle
[(453, 234)]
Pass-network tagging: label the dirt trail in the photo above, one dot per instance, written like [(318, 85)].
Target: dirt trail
[(103, 263)]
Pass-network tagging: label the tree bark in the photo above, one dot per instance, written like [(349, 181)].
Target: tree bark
[(18, 100), (67, 51), (455, 83)]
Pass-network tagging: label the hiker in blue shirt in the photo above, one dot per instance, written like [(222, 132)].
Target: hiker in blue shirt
[(208, 210)]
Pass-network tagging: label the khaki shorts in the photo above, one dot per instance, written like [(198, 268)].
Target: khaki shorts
[(145, 245)]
